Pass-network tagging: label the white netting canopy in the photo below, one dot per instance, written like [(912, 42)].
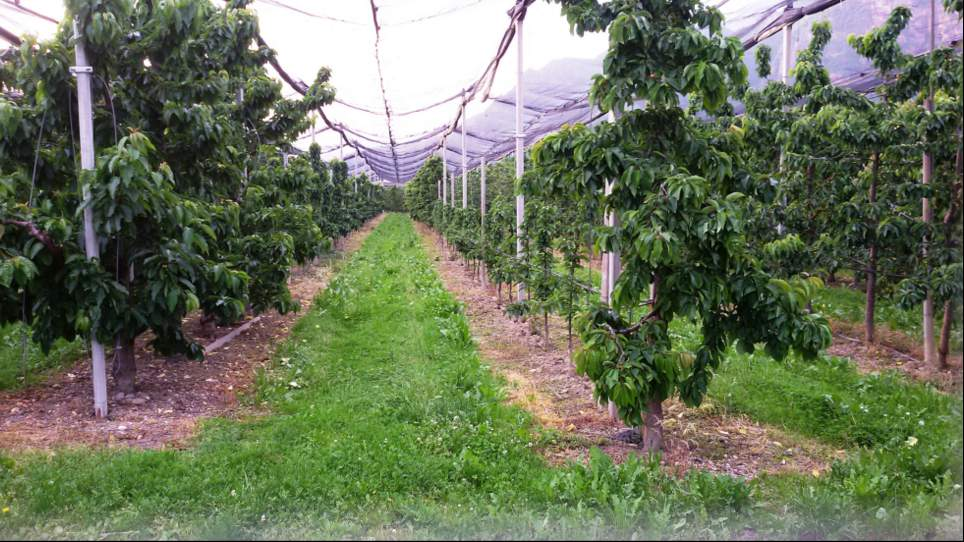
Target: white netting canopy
[(403, 70)]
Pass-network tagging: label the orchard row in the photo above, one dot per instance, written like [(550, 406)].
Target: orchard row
[(729, 211), (198, 201)]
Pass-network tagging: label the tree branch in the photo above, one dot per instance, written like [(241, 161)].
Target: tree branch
[(635, 327), (39, 235)]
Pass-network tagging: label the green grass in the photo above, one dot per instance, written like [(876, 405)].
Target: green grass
[(382, 422), (18, 370), (847, 304), (382, 418), (584, 274), (904, 439)]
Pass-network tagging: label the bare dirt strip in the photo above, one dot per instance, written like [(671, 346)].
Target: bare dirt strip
[(893, 351), (543, 381), (173, 394)]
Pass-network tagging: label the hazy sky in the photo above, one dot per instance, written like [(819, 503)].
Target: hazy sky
[(432, 49), (429, 50)]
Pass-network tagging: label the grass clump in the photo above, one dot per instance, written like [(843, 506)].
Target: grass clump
[(904, 438), (20, 368)]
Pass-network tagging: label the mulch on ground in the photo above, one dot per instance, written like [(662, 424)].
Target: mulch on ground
[(543, 380), (893, 352), (173, 394)]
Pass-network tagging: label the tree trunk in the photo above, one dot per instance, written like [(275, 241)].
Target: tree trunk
[(545, 328), (871, 304), (124, 367), (572, 303), (944, 348), (950, 217), (652, 430), (811, 214), (869, 329), (498, 289)]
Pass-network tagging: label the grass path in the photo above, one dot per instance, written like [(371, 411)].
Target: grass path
[(383, 423)]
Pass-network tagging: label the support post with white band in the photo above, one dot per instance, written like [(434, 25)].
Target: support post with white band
[(465, 160), (85, 116), (520, 202)]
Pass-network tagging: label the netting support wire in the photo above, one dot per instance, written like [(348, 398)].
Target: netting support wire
[(465, 159), (789, 16), (520, 202), (381, 84), (301, 88), (15, 4), (10, 37), (485, 81), (85, 115)]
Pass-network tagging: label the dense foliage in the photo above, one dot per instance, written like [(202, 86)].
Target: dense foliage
[(194, 205), (851, 172)]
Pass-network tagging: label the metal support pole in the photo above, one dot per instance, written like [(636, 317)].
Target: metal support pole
[(452, 179), (482, 210), (787, 51), (82, 71), (520, 202), (785, 66), (927, 214), (611, 267), (465, 160), (611, 261), (445, 179), (482, 204)]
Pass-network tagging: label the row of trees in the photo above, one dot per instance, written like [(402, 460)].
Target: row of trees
[(851, 174), (725, 220), (195, 203)]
